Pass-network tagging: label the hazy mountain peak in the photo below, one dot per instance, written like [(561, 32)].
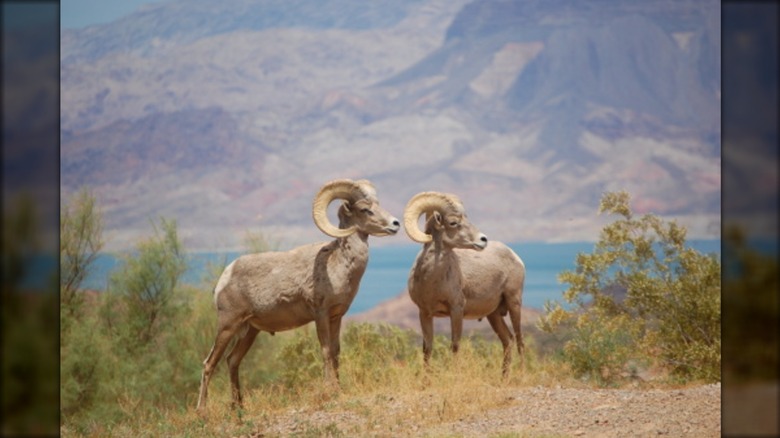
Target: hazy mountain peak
[(221, 113)]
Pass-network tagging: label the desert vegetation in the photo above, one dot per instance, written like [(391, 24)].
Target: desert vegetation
[(642, 298), (131, 356)]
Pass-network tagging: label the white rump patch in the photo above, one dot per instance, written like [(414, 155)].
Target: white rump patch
[(517, 257), (224, 279)]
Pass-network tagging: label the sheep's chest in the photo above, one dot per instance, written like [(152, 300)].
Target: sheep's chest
[(435, 283), (337, 283)]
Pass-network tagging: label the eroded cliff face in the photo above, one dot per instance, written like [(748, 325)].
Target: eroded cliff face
[(228, 117)]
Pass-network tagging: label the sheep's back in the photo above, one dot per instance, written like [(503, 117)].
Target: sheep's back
[(496, 268), (271, 279)]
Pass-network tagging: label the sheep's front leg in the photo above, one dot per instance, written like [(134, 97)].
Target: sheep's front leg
[(335, 342), (456, 325), (323, 335), (426, 325)]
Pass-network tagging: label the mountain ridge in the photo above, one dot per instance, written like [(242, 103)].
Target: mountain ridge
[(528, 116)]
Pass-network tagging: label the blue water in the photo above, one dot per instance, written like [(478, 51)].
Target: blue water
[(388, 270)]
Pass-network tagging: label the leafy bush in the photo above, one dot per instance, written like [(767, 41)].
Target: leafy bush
[(301, 358), (371, 352), (130, 351), (81, 238), (146, 283), (80, 367), (641, 295), (601, 347)]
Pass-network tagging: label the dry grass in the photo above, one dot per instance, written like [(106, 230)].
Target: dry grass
[(405, 400), (384, 389)]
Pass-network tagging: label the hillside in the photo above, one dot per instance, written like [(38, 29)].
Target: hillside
[(400, 311), (230, 116)]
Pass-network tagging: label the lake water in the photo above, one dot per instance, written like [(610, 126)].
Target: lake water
[(388, 270)]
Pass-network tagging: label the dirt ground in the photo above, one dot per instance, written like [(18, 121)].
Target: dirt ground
[(693, 412), (537, 412)]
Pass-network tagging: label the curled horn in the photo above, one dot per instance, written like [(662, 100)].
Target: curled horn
[(425, 202), (341, 189)]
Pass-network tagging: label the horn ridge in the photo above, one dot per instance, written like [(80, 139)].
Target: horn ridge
[(426, 202), (341, 189)]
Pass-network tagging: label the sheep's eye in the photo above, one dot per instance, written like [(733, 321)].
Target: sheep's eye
[(367, 211), (453, 224)]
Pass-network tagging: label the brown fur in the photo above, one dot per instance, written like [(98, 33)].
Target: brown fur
[(456, 275), (278, 291)]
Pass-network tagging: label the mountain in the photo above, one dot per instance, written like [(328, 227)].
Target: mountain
[(230, 116)]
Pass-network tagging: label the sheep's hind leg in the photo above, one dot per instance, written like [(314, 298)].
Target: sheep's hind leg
[(234, 360), (515, 314), (224, 335), (499, 326)]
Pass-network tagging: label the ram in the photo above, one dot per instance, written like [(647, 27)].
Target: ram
[(276, 291), (459, 274)]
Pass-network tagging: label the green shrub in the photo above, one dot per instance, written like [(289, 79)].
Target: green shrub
[(301, 358), (371, 353), (642, 295), (80, 372), (601, 347), (81, 239), (146, 284)]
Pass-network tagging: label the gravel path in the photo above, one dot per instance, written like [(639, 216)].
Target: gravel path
[(692, 412), (540, 412)]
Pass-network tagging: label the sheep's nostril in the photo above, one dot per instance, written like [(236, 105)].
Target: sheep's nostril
[(483, 239), (396, 223)]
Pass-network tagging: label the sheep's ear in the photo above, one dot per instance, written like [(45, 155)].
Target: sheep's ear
[(437, 220), (347, 208)]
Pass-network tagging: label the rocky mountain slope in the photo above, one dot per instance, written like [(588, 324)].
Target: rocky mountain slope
[(229, 116)]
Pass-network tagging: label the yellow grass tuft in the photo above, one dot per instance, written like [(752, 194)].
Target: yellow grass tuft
[(402, 399), (384, 388)]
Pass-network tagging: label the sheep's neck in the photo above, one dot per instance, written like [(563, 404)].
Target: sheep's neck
[(438, 266), (354, 247), (436, 252)]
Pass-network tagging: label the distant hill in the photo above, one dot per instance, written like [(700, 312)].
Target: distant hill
[(402, 312), (229, 116)]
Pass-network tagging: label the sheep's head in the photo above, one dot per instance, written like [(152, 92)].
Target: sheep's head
[(446, 217), (360, 210)]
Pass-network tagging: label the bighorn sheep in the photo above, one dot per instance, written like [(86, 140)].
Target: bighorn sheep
[(276, 291), (458, 274)]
